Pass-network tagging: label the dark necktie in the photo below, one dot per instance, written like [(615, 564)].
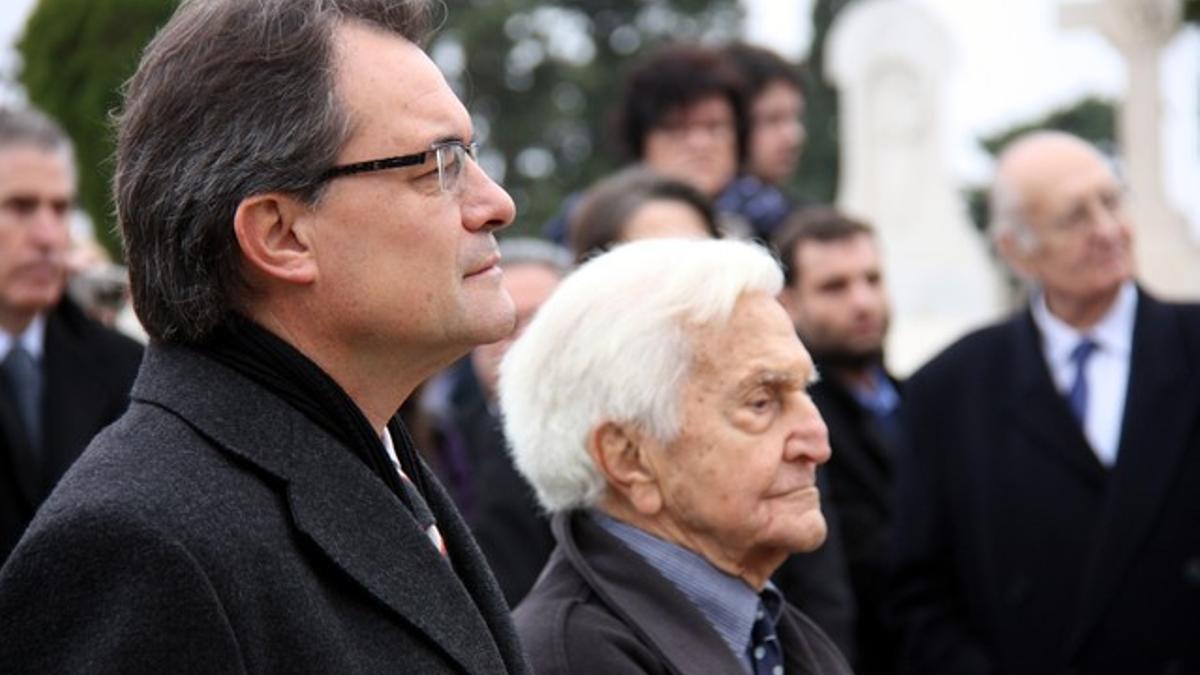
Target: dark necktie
[(766, 654), (24, 378), (1077, 397)]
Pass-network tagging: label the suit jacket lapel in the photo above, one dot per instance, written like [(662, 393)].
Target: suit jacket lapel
[(336, 502), (1039, 410), (1162, 408)]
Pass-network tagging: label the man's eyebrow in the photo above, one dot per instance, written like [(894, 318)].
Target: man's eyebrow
[(773, 377)]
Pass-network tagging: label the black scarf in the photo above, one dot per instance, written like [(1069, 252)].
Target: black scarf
[(263, 357)]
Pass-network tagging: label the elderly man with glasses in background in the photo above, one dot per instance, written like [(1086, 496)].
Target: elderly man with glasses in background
[(1046, 517)]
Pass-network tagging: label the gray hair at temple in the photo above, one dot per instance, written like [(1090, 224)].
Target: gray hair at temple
[(30, 127), (232, 98), (613, 343)]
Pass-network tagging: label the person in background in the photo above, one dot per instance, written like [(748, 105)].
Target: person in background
[(466, 447), (638, 203), (63, 376), (835, 293), (661, 413), (775, 95), (682, 113), (1047, 508)]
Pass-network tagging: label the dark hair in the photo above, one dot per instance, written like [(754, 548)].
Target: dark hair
[(600, 219), (674, 77), (821, 224), (231, 99), (760, 68)]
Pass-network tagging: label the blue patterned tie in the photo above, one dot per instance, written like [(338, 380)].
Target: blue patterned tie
[(766, 654), (1077, 397), (24, 378)]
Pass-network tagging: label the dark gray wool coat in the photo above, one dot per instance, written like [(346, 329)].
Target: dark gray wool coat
[(215, 529)]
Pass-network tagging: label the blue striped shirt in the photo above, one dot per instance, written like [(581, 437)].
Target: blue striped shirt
[(729, 603)]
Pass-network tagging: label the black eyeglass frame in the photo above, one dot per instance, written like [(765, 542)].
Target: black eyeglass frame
[(470, 149)]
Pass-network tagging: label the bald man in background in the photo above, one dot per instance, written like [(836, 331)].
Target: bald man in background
[(1048, 518)]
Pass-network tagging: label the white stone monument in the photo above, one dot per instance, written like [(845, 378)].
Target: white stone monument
[(889, 60), (1168, 257)]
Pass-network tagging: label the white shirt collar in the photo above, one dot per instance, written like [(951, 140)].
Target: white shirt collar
[(33, 339), (1113, 333)]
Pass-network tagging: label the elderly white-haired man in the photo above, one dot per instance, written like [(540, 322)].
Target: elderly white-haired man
[(658, 404)]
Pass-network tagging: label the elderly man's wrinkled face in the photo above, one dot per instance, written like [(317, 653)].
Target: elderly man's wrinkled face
[(738, 484), (1082, 246)]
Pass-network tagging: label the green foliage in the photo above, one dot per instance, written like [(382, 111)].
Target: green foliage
[(541, 78), (76, 54), (817, 176), (1191, 11), (1092, 119)]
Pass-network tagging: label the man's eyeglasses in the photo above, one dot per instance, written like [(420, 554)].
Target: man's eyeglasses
[(450, 156)]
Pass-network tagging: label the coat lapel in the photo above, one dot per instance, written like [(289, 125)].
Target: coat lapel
[(1162, 411), (1041, 413), (643, 598), (343, 509)]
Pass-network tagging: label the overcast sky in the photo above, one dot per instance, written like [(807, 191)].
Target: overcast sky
[(1002, 75)]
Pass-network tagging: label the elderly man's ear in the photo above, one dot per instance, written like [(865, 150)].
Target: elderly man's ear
[(275, 233), (623, 454)]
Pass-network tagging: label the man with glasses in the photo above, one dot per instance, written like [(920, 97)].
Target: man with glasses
[(63, 376), (1047, 516), (308, 237)]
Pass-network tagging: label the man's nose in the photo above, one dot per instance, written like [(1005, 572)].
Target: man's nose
[(485, 205), (809, 440)]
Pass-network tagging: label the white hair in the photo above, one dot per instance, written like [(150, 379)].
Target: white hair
[(612, 344)]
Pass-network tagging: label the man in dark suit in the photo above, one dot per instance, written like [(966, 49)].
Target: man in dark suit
[(63, 377), (308, 237), (1046, 518), (661, 414), (834, 292)]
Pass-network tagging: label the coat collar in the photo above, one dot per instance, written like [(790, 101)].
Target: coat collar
[(330, 495), (655, 610)]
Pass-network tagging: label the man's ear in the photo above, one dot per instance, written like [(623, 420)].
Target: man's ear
[(1014, 252), (274, 232), (622, 454)]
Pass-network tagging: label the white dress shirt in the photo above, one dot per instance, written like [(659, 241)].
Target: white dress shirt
[(1107, 369), (32, 339)]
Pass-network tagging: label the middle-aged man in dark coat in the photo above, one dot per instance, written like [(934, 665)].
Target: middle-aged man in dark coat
[(63, 376), (1047, 517), (835, 293), (661, 414), (308, 237)]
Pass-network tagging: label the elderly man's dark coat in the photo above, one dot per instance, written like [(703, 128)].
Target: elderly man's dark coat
[(1018, 552), (215, 529), (600, 608)]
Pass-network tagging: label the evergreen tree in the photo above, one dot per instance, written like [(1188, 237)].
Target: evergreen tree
[(75, 57), (817, 176)]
